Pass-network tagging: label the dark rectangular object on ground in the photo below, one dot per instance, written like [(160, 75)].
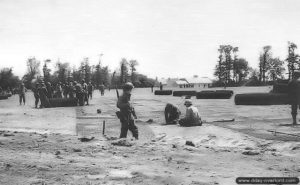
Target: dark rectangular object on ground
[(3, 97), (262, 99), (219, 94), (163, 92), (280, 88), (63, 102), (184, 93)]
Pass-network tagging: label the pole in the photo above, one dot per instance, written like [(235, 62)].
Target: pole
[(103, 130)]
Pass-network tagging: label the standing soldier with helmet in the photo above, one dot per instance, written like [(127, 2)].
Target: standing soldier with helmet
[(85, 92), (22, 91), (127, 113), (294, 95)]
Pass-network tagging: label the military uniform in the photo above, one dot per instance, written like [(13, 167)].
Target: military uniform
[(192, 117), (126, 116), (294, 96), (43, 94), (85, 93), (171, 114), (36, 95), (22, 91), (90, 90)]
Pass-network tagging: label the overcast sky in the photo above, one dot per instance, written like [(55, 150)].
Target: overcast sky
[(169, 38)]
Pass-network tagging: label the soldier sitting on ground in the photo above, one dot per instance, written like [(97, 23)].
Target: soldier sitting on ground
[(192, 117), (172, 114)]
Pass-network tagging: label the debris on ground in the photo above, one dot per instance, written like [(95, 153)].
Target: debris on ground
[(77, 150), (85, 139), (251, 152), (190, 143), (149, 121), (122, 142), (8, 134)]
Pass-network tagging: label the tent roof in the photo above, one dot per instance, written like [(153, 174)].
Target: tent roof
[(199, 80), (181, 82)]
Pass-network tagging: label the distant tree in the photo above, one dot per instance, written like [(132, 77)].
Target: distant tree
[(8, 79), (33, 70), (62, 71), (105, 75), (235, 62), (275, 68), (293, 59), (123, 71), (241, 69), (132, 65), (46, 70), (228, 62), (264, 59), (220, 68)]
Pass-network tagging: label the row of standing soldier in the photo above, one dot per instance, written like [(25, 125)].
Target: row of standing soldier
[(44, 91)]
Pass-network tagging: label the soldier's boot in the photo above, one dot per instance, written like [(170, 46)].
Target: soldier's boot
[(124, 130), (294, 119)]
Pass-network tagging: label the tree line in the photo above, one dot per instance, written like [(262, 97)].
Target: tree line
[(231, 70), (63, 72)]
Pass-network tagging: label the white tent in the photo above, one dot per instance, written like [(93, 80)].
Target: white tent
[(199, 81)]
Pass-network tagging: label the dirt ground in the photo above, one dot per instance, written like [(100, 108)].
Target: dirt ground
[(42, 146)]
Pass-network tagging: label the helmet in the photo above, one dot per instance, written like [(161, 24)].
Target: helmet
[(128, 86), (188, 102)]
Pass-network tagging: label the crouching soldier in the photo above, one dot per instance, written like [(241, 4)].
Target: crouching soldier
[(126, 113), (294, 93), (43, 94), (192, 117), (172, 114)]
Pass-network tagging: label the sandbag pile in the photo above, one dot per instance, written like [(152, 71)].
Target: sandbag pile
[(163, 92), (262, 99), (63, 102), (218, 94), (184, 93), (3, 96), (280, 88)]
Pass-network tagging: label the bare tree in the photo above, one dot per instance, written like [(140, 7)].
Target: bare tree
[(263, 63), (132, 65), (293, 59)]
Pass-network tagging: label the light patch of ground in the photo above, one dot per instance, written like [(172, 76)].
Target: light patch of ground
[(43, 146)]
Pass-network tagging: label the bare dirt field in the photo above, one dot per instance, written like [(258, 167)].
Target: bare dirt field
[(42, 146)]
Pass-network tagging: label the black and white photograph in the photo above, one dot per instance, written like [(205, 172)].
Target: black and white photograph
[(149, 92)]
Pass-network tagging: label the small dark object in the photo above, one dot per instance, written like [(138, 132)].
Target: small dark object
[(122, 142), (250, 152), (189, 143), (99, 111), (188, 97), (262, 99), (84, 139), (184, 93), (149, 121), (77, 150), (57, 153), (163, 92), (8, 134)]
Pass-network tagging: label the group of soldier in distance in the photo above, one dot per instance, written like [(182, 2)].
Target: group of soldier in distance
[(83, 92), (43, 92)]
